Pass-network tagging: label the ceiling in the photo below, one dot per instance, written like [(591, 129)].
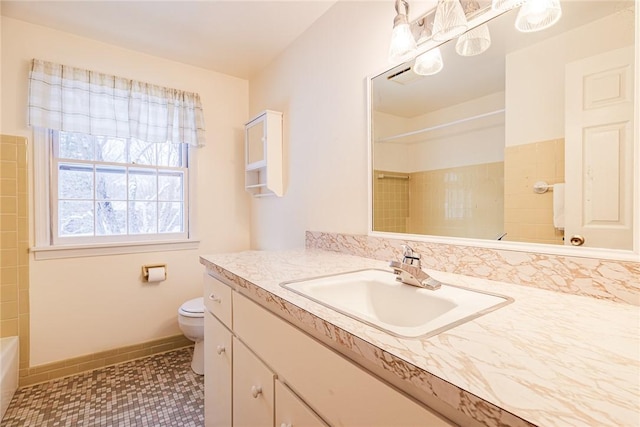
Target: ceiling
[(240, 38), (233, 37)]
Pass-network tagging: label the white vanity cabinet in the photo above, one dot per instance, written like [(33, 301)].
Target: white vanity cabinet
[(283, 377), (263, 154)]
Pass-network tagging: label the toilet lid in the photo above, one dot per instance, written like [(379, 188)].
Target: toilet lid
[(192, 308)]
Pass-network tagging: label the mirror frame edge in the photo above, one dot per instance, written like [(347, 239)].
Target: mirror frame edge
[(538, 248)]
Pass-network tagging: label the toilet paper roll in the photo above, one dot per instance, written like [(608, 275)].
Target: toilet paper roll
[(157, 274)]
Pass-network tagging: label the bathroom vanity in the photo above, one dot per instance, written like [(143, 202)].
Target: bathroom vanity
[(274, 357), (257, 360)]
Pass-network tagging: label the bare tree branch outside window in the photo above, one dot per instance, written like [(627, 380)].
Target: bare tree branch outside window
[(116, 187)]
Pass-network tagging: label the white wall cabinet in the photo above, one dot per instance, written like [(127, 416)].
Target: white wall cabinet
[(270, 358), (263, 154)]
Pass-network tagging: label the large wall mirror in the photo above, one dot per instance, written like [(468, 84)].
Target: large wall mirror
[(531, 141)]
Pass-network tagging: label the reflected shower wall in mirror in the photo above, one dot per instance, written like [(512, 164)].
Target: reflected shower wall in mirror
[(458, 153)]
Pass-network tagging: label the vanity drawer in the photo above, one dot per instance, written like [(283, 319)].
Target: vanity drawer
[(217, 299)]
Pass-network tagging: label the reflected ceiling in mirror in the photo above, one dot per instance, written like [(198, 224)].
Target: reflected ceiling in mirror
[(458, 153)]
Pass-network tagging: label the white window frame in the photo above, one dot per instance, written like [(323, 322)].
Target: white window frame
[(45, 248)]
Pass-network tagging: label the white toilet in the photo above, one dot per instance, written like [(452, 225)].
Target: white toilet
[(191, 321)]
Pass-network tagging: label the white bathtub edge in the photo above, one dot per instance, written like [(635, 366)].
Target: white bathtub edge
[(9, 362)]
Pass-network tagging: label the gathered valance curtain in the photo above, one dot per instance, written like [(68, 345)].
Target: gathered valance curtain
[(75, 100)]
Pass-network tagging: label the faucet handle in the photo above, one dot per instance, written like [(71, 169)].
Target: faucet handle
[(407, 251), (409, 256)]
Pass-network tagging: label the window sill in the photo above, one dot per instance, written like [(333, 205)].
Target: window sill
[(76, 251)]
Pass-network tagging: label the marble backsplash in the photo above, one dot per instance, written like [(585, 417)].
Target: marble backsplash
[(617, 281)]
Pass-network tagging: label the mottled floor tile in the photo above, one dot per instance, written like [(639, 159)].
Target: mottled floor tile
[(160, 390)]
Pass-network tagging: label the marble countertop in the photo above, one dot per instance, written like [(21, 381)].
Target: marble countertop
[(547, 359)]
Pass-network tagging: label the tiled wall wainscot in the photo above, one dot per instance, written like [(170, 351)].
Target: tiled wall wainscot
[(14, 243), (390, 201), (465, 201)]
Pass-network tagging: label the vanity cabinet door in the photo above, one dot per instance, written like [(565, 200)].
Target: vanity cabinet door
[(218, 356), (255, 143), (293, 412), (253, 393)]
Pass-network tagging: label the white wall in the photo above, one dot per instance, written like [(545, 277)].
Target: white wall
[(390, 156), (319, 83), (463, 144), (85, 305), (536, 74)]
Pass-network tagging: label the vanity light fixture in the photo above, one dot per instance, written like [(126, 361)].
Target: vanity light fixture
[(403, 44), (450, 20), (537, 15), (476, 40), (504, 5), (429, 63)]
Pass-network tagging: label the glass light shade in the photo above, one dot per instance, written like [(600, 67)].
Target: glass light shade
[(403, 45), (449, 21), (537, 15), (474, 41), (504, 5), (429, 63)]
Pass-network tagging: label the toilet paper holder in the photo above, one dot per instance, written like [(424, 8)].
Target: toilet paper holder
[(146, 268)]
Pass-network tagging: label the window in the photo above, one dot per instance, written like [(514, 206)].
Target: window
[(116, 189), (113, 162)]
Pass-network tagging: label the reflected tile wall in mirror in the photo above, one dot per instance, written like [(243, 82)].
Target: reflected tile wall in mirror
[(528, 215)]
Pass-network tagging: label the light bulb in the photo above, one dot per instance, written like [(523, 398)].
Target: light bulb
[(429, 63), (449, 21), (537, 15), (504, 5), (474, 41), (403, 44)]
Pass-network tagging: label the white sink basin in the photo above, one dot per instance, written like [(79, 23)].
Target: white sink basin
[(376, 298)]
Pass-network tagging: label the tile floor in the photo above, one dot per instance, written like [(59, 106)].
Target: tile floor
[(156, 391)]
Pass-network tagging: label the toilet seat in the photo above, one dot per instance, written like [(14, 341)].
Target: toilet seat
[(192, 308)]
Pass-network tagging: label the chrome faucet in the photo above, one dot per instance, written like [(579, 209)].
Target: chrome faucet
[(409, 271)]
